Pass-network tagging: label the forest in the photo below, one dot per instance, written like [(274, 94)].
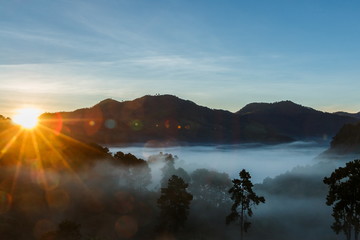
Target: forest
[(83, 191)]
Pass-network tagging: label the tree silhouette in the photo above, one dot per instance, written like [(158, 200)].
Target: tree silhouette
[(244, 198), (174, 204), (136, 172), (67, 230), (169, 170), (210, 187), (344, 195)]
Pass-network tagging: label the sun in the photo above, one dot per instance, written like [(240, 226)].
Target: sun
[(27, 117)]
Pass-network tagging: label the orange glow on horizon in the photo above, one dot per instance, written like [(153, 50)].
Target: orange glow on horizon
[(39, 155), (27, 118)]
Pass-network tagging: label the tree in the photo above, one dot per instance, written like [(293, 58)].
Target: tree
[(344, 195), (67, 230), (174, 204), (136, 172), (210, 187), (244, 198), (169, 170)]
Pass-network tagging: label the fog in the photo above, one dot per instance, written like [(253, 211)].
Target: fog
[(295, 207), (114, 198), (289, 176), (260, 160)]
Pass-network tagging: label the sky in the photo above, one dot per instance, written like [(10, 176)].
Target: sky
[(68, 54)]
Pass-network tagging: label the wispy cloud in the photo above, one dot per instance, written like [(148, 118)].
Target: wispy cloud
[(181, 63), (124, 49)]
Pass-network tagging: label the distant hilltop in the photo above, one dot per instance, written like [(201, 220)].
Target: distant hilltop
[(167, 119), (355, 115), (294, 120), (346, 141)]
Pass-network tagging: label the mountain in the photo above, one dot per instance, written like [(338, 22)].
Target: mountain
[(293, 120), (4, 121), (346, 141), (164, 119), (167, 119), (42, 147), (355, 115)]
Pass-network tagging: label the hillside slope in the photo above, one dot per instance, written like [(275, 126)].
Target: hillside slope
[(294, 120), (346, 141), (161, 119)]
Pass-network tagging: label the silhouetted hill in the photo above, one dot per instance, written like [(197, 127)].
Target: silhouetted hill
[(4, 123), (294, 120), (166, 119), (47, 148), (3, 118), (159, 119), (355, 115), (346, 141)]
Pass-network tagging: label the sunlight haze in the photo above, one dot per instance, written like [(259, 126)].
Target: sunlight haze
[(179, 119), (27, 117)]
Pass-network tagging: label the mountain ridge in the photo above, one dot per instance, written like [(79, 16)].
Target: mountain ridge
[(170, 119), (160, 118), (295, 120), (341, 113), (258, 106)]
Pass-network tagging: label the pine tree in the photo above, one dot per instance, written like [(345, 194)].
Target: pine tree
[(344, 195), (244, 198), (174, 204)]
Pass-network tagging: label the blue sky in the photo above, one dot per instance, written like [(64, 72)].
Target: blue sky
[(67, 54)]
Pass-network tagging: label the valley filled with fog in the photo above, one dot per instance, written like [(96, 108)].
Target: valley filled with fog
[(261, 161), (113, 193), (289, 176)]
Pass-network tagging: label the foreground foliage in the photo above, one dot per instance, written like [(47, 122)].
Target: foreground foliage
[(344, 196), (174, 204)]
